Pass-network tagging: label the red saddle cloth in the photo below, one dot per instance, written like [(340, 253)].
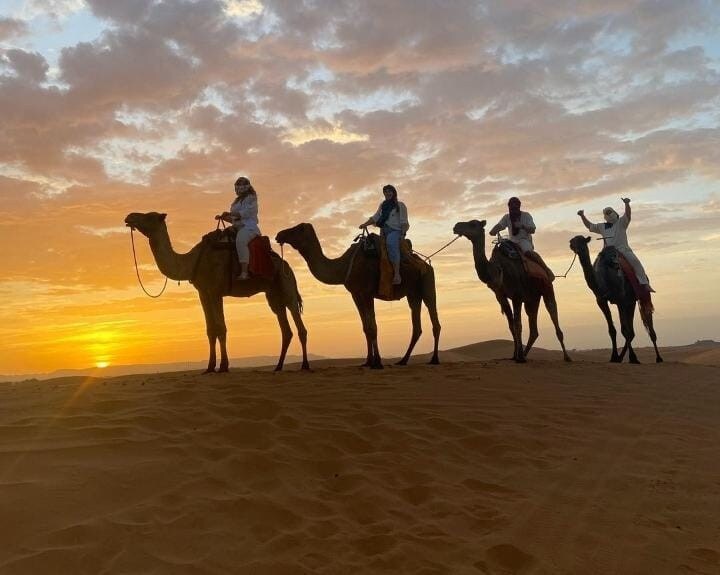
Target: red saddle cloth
[(261, 264), (642, 294)]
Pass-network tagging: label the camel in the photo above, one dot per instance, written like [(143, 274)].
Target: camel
[(508, 280), (359, 274), (208, 270), (619, 292)]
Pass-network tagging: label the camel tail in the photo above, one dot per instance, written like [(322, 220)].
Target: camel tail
[(297, 291), (646, 312)]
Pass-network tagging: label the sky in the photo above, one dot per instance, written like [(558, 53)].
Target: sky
[(115, 107)]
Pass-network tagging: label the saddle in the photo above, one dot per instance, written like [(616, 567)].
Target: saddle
[(610, 259), (509, 249), (261, 264), (373, 246), (535, 272)]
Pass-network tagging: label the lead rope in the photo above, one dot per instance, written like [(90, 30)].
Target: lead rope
[(137, 271), (568, 270), (427, 258)]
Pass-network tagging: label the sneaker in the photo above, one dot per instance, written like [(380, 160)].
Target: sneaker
[(397, 281), (242, 277)]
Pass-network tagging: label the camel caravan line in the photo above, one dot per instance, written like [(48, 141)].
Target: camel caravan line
[(372, 268)]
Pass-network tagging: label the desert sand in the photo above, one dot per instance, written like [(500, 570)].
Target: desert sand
[(473, 466)]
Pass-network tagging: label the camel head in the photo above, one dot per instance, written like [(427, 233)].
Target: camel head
[(472, 230), (579, 243), (146, 224), (298, 236)]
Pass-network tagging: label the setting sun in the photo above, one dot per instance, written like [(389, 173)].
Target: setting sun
[(102, 364)]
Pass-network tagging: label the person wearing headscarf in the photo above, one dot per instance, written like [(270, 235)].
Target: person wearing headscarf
[(614, 233), (521, 227), (243, 215), (392, 219)]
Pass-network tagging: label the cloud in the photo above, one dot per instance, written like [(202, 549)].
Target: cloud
[(12, 28), (321, 102), (30, 67)]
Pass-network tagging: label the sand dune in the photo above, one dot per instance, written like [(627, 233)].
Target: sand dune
[(484, 467)]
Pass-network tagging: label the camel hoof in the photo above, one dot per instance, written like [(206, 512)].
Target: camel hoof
[(615, 360), (278, 368), (377, 366), (635, 360), (208, 371), (568, 359), (520, 360), (434, 361), (658, 359), (306, 367), (401, 362)]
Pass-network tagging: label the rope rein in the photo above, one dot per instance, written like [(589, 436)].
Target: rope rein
[(568, 270), (427, 258), (137, 271)]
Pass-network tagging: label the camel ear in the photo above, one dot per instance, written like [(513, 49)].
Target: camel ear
[(587, 239), (482, 223), (162, 217)]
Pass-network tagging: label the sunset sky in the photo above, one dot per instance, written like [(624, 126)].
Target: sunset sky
[(109, 107)]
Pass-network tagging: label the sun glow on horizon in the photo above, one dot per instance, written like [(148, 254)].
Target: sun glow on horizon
[(102, 364)]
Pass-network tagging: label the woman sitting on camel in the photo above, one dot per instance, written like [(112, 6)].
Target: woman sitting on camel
[(243, 215), (392, 219)]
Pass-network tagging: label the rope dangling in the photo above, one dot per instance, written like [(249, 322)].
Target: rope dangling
[(137, 271), (427, 258), (568, 270)]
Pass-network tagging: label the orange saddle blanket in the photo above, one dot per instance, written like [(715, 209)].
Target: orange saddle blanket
[(408, 260), (537, 273)]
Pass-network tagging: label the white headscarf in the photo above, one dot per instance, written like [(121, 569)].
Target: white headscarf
[(611, 216)]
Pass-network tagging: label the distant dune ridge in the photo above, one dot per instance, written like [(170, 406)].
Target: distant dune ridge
[(477, 465), (704, 352)]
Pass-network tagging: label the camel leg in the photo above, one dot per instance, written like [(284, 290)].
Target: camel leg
[(430, 300), (224, 366), (372, 323), (531, 309), (517, 321), (415, 304), (208, 303), (605, 309), (302, 334), (508, 313), (280, 312), (627, 313), (648, 322), (551, 306), (366, 309)]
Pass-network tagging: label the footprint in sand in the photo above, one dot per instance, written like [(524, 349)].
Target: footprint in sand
[(510, 558)]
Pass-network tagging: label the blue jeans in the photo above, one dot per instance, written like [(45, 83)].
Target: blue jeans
[(392, 240)]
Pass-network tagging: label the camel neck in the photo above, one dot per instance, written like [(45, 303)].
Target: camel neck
[(587, 267), (481, 262), (327, 270), (175, 266)]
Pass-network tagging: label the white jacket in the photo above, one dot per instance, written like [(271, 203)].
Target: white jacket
[(244, 214), (397, 220)]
